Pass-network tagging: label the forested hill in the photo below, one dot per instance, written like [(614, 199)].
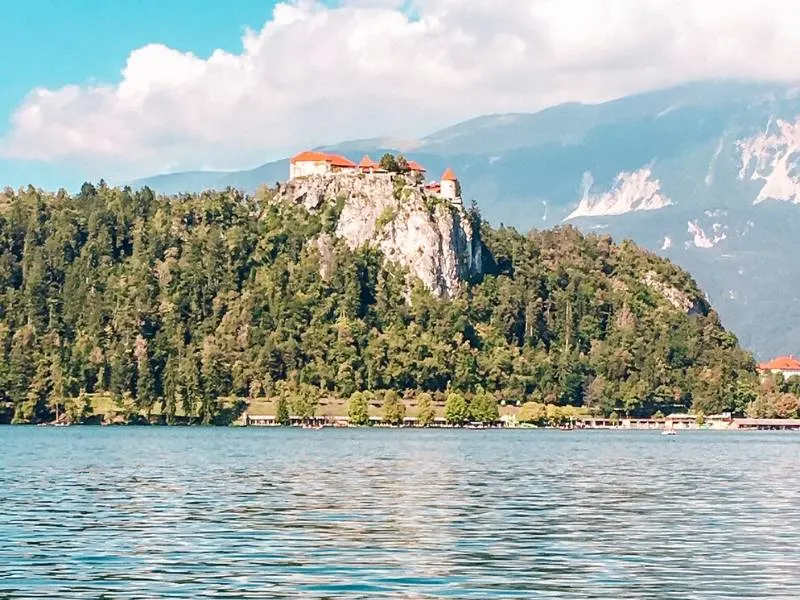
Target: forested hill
[(175, 305)]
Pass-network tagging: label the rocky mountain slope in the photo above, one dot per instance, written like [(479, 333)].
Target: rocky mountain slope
[(437, 241), (705, 174)]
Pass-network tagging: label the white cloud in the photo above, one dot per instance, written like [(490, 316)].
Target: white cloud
[(316, 75)]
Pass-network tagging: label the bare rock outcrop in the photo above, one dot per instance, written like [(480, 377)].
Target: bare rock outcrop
[(435, 239), (678, 299)]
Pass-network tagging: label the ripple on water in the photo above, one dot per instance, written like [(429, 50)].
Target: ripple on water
[(231, 513)]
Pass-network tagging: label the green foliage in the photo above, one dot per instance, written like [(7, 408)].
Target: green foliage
[(387, 216), (283, 416), (302, 399), (358, 409), (402, 164), (778, 399), (172, 304), (533, 412), (483, 408), (456, 410), (425, 411), (388, 162), (394, 164), (394, 410)]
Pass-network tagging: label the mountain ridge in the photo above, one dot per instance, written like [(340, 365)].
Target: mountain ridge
[(691, 142)]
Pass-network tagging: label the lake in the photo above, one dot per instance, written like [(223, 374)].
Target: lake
[(274, 513)]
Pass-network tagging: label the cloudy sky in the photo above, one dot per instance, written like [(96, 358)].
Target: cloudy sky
[(120, 89)]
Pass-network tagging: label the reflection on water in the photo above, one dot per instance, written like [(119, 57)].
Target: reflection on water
[(231, 513)]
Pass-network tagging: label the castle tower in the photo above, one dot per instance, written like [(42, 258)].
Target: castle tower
[(450, 186)]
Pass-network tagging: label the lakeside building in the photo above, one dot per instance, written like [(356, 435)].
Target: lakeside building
[(676, 421), (249, 420), (788, 366), (766, 424)]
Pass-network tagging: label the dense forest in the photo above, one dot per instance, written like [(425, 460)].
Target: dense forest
[(195, 304)]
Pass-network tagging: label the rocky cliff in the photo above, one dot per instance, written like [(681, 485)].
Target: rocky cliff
[(436, 240)]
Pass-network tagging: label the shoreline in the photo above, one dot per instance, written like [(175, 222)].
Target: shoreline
[(749, 426)]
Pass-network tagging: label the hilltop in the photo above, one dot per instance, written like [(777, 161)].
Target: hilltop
[(703, 174), (191, 306)]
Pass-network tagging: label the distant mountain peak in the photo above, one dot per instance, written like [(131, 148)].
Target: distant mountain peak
[(631, 192), (773, 156)]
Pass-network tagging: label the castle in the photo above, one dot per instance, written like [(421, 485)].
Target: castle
[(311, 162)]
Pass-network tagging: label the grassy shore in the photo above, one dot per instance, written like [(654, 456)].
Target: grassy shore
[(103, 408)]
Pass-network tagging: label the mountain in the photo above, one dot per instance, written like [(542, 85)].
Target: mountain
[(705, 174), (189, 308), (198, 181)]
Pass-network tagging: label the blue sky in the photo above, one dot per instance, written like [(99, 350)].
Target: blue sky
[(122, 89), (52, 43)]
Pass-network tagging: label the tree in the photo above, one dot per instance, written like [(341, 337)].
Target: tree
[(187, 300), (389, 163), (456, 410), (394, 411), (358, 409), (282, 416), (303, 400), (80, 409), (533, 412), (483, 407), (425, 410), (402, 164), (596, 395)]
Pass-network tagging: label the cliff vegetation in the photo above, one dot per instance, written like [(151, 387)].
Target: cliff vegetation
[(187, 308)]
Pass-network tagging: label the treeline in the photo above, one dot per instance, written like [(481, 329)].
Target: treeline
[(779, 398), (177, 305)]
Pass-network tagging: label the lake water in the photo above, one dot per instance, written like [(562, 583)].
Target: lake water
[(237, 513)]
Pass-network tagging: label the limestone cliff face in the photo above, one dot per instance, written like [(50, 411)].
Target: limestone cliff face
[(434, 239)]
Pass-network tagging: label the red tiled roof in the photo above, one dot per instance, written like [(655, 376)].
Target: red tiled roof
[(367, 163), (312, 156), (340, 161), (415, 166), (782, 363), (449, 175)]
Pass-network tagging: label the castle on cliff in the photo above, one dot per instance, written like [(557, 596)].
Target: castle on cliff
[(311, 162)]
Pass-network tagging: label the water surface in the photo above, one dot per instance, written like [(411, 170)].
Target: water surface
[(265, 513)]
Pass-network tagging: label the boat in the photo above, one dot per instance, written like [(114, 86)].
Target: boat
[(669, 432)]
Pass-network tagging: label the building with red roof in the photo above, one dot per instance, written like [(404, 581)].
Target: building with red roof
[(312, 162), (788, 366), (367, 165), (415, 167), (450, 186)]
